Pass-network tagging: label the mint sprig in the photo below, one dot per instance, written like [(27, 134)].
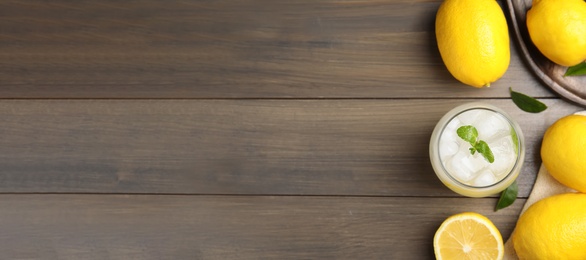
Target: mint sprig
[(469, 134)]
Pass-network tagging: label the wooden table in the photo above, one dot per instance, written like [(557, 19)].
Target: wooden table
[(233, 129)]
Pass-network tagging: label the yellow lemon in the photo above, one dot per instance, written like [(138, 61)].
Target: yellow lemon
[(468, 235), (558, 30), (562, 151), (473, 40), (553, 228)]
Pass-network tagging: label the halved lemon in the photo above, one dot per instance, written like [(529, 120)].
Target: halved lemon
[(468, 235)]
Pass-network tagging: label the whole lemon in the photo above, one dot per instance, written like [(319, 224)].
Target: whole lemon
[(558, 30), (553, 228), (562, 151), (473, 40)]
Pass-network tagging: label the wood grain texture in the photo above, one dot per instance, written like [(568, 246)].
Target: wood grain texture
[(228, 227), (233, 129), (231, 49), (295, 147)]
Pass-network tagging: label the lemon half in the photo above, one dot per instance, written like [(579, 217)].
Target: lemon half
[(468, 235)]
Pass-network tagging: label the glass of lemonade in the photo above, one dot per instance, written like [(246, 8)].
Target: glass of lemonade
[(459, 154)]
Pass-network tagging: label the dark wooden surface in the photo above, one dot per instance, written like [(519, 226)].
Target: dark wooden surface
[(227, 227), (250, 129)]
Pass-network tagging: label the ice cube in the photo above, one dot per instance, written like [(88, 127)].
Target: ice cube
[(504, 155), (473, 162), (463, 164), (498, 135), (490, 124), (470, 117), (452, 126), (447, 148), (449, 141), (457, 169), (484, 178)]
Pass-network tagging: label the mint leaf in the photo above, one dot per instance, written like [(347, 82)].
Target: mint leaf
[(468, 133), (576, 70), (482, 148), (526, 103), (508, 196)]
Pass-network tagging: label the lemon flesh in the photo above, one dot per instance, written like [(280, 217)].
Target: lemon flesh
[(473, 40), (468, 235)]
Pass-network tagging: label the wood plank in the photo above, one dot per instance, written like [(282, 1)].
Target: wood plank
[(231, 49), (296, 147), (227, 227)]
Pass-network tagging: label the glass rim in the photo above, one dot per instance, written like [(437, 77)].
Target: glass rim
[(453, 113)]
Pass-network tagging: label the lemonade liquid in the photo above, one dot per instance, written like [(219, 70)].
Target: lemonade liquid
[(471, 174)]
